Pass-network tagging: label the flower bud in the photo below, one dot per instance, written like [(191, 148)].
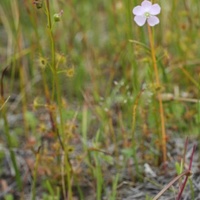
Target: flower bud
[(57, 16)]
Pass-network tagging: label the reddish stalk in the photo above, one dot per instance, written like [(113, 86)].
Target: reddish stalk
[(186, 173), (161, 110), (186, 178)]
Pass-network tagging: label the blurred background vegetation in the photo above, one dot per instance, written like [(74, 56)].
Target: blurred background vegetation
[(105, 74)]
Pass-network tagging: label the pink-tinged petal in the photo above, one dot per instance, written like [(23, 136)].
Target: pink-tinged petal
[(146, 5), (138, 10), (155, 9), (153, 20), (140, 20)]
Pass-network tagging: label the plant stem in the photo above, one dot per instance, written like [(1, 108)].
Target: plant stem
[(185, 173), (60, 132), (162, 118), (44, 81), (187, 176), (33, 188), (7, 133), (48, 102), (134, 146)]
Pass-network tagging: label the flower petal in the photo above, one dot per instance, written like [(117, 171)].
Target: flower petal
[(146, 5), (140, 20), (153, 20), (155, 9), (138, 10)]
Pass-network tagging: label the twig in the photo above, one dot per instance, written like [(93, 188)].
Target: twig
[(186, 178), (185, 173)]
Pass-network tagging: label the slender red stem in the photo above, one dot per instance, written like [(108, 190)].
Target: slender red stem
[(161, 109), (187, 175)]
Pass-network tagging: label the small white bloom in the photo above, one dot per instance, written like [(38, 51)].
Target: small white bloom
[(146, 12)]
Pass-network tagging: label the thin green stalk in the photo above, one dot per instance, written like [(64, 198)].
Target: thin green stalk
[(8, 136), (190, 77), (80, 192), (60, 132), (55, 76), (98, 175), (48, 101), (63, 175), (135, 106), (19, 63), (114, 187), (129, 32), (12, 154), (191, 189), (33, 188), (50, 188), (44, 81), (24, 99), (85, 128)]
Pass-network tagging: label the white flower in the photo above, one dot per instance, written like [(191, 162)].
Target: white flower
[(146, 12)]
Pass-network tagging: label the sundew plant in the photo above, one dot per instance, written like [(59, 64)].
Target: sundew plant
[(99, 99), (147, 12)]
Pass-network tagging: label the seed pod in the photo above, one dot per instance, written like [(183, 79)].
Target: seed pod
[(57, 16), (38, 3)]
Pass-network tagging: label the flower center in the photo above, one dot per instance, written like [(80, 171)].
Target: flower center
[(147, 14)]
